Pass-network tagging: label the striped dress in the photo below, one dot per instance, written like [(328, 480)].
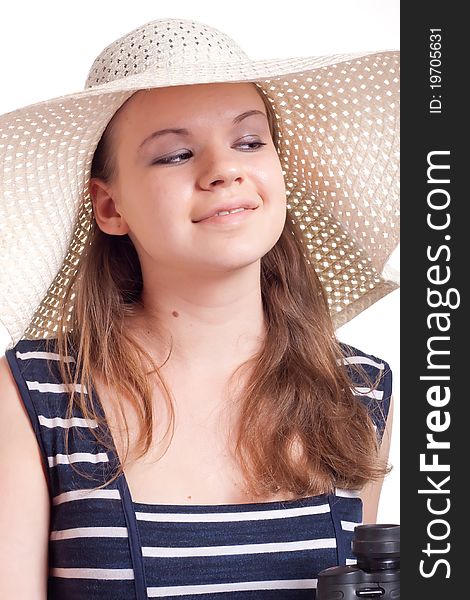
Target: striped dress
[(105, 546)]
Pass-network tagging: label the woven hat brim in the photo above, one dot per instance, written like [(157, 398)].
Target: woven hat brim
[(46, 150), (167, 75)]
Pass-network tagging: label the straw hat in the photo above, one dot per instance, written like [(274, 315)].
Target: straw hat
[(337, 118)]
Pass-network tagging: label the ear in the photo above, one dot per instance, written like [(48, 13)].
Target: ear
[(104, 208)]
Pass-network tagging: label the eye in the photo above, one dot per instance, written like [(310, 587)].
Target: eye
[(174, 159), (253, 145)]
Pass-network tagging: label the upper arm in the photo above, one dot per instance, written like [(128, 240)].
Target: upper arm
[(370, 494), (24, 504)]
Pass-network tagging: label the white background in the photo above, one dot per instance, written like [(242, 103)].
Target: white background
[(47, 47)]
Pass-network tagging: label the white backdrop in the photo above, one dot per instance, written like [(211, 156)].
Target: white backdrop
[(47, 48)]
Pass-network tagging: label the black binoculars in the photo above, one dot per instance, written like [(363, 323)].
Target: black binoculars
[(377, 572)]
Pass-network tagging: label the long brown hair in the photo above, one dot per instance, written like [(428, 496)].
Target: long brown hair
[(302, 431)]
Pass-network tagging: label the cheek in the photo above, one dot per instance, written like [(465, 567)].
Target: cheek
[(278, 198), (155, 199), (167, 218), (280, 184), (274, 182), (269, 169)]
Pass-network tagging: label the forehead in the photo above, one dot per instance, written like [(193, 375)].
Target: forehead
[(188, 103)]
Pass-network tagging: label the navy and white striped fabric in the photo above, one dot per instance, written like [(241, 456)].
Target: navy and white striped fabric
[(105, 546)]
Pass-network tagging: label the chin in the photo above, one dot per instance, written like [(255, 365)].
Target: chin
[(236, 263)]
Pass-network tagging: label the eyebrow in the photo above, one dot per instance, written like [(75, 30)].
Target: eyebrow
[(182, 131)]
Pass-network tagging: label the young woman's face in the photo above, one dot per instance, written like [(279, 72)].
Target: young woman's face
[(183, 152)]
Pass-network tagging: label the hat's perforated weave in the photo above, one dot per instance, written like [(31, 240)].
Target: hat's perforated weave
[(164, 43), (338, 140)]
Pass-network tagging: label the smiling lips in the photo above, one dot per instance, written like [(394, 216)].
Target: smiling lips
[(228, 207), (234, 216)]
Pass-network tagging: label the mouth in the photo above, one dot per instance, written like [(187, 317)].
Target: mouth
[(229, 217)]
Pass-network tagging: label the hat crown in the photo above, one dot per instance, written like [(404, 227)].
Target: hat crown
[(162, 44)]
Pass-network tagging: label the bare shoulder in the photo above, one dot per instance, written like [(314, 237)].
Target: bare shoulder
[(24, 509)]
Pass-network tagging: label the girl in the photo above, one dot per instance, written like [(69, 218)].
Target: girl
[(186, 422)]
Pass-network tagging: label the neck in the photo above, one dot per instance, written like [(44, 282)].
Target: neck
[(215, 322)]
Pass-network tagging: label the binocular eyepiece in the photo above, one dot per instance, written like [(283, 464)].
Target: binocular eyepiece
[(377, 572)]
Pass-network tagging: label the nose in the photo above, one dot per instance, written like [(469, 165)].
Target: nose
[(220, 170)]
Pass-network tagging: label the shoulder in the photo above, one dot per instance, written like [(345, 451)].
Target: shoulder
[(34, 367), (56, 412), (372, 380), (376, 368), (33, 360), (32, 349)]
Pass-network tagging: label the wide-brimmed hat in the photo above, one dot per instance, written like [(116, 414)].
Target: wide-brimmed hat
[(337, 123)]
